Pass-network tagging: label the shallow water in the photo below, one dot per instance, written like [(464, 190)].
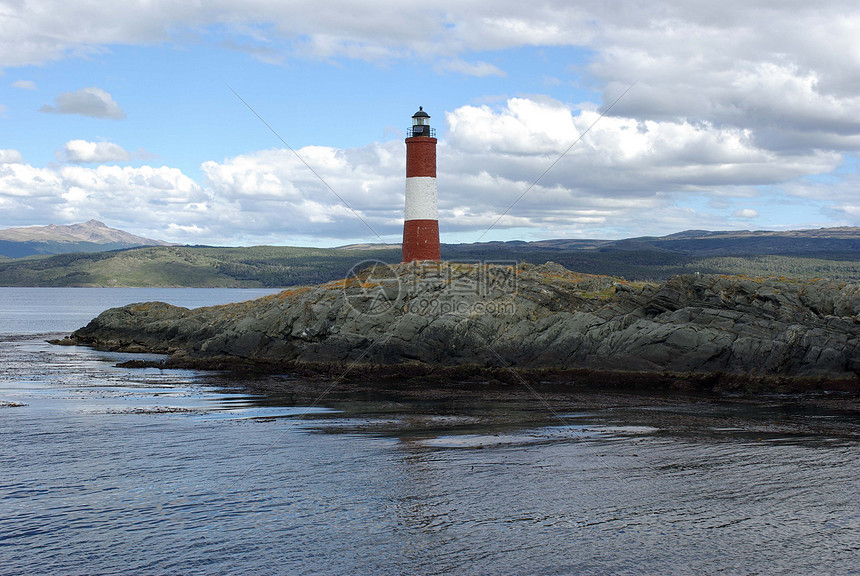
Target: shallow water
[(105, 470)]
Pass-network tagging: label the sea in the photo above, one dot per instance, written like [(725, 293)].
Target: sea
[(109, 470)]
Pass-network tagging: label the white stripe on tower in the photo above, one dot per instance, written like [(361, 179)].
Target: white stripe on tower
[(421, 198)]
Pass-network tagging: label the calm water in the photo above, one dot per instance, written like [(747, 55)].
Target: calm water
[(106, 470), (42, 310)]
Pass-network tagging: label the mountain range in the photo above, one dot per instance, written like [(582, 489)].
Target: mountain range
[(824, 253), (92, 236)]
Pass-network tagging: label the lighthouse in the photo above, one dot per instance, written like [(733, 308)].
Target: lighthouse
[(421, 226)]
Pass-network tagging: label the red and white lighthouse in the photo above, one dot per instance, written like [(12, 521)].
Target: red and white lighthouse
[(421, 226)]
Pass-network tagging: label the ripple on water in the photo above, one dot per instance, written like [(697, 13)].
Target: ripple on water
[(575, 433), (112, 471)]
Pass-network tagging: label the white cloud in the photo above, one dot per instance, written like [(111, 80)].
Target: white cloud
[(524, 137), (273, 190), (264, 197), (745, 213), (787, 71), (10, 157), (731, 97), (623, 175), (626, 177), (146, 197), (24, 84), (851, 210), (779, 70), (839, 191), (92, 101), (479, 69), (525, 126), (83, 152)]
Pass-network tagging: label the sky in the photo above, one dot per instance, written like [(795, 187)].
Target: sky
[(283, 121)]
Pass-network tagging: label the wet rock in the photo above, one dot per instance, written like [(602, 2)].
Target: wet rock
[(541, 317)]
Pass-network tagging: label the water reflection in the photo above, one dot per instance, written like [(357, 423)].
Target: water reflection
[(193, 473)]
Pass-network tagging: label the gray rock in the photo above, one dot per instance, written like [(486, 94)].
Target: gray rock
[(530, 317)]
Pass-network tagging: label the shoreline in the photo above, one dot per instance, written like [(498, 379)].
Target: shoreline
[(444, 388), (534, 325), (489, 378)]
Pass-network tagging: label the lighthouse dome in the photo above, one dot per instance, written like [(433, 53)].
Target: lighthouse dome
[(421, 124)]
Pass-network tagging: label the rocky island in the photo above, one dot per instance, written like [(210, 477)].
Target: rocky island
[(441, 318)]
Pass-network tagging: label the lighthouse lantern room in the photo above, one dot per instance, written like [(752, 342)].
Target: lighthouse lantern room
[(421, 225)]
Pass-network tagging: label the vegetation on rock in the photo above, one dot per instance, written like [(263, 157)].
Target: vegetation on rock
[(522, 317)]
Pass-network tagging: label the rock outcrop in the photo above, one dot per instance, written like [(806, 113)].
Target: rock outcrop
[(524, 317)]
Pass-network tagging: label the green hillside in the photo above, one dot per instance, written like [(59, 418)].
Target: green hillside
[(825, 256), (259, 266), (659, 265)]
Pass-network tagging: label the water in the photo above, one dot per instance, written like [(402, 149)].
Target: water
[(43, 310), (105, 470)]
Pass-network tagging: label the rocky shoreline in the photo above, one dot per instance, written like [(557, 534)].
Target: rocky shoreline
[(535, 324)]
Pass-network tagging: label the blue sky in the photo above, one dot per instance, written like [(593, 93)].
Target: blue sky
[(740, 117)]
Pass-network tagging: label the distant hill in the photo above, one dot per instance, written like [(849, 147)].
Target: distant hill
[(376, 246), (190, 266), (92, 236), (845, 239), (823, 240), (828, 253)]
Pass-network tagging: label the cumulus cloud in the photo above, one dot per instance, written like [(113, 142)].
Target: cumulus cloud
[(524, 126), (732, 98), (778, 70), (152, 197), (263, 197), (479, 69), (621, 169), (359, 195), (839, 191), (83, 152), (93, 102), (625, 177), (24, 84), (42, 30), (618, 154), (745, 213), (787, 71), (10, 157)]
